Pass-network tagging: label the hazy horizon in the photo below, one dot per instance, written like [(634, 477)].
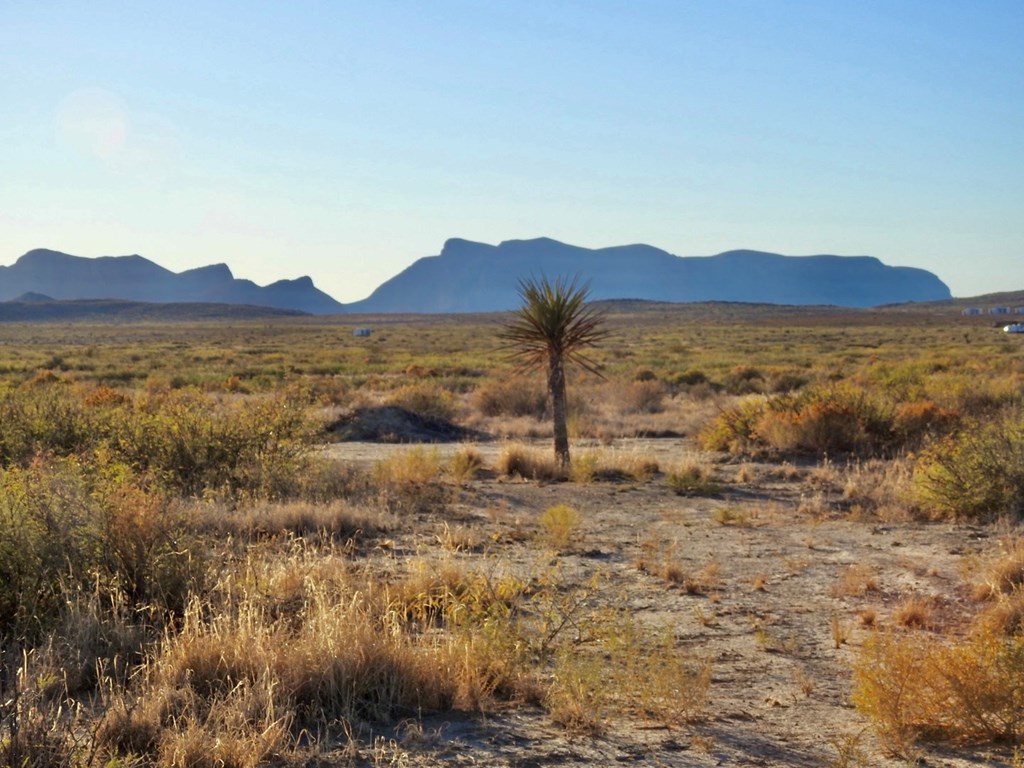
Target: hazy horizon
[(344, 141)]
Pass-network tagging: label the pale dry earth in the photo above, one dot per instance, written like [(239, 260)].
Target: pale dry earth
[(781, 683)]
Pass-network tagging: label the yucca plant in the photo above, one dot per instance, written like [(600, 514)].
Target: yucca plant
[(551, 328)]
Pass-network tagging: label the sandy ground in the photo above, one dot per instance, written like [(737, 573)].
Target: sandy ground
[(778, 591)]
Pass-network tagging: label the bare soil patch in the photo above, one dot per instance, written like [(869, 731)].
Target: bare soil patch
[(778, 599)]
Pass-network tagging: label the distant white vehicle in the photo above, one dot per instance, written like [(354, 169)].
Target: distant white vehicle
[(1014, 328)]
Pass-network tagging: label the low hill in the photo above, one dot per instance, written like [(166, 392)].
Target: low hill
[(476, 277), (42, 309)]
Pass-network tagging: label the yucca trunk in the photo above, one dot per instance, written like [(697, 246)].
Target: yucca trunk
[(556, 388)]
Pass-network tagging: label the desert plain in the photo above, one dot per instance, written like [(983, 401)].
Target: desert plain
[(281, 544)]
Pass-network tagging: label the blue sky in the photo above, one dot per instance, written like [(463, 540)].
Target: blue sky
[(343, 140)]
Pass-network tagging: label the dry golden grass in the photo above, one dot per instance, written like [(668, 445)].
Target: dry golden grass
[(465, 465), (1002, 573), (301, 643), (1005, 616), (880, 489), (855, 581), (339, 520), (650, 676), (560, 526), (915, 612), (529, 463), (694, 477)]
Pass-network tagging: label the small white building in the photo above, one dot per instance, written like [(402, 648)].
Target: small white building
[(361, 332), (999, 311), (971, 312)]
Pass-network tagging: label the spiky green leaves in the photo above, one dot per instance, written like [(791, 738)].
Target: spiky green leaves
[(554, 323)]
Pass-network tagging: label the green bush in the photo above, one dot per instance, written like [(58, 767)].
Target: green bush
[(195, 445), (42, 416), (44, 517), (744, 380), (189, 442), (689, 378), (733, 430), (70, 527), (977, 472)]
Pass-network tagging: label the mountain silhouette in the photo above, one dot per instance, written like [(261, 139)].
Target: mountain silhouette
[(61, 276), (476, 277)]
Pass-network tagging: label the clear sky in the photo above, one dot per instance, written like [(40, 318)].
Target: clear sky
[(344, 140)]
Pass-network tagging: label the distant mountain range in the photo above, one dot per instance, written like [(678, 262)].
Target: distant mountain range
[(64, 277), (476, 277)]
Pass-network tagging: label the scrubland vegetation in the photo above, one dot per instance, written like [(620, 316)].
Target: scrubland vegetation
[(188, 578)]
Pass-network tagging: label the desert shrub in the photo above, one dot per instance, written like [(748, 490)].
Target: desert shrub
[(915, 422), (43, 417), (642, 396), (733, 430), (612, 466), (38, 727), (584, 467), (879, 487), (464, 465), (636, 671), (435, 595), (560, 524), (830, 419), (415, 466), (977, 395), (194, 445), (744, 380), (45, 517), (634, 466), (921, 686), (902, 381), (692, 478), (335, 520), (425, 399), (300, 645), (826, 420), (976, 473), (780, 382), (1002, 574), (516, 396), (1005, 616), (689, 378), (68, 527)]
